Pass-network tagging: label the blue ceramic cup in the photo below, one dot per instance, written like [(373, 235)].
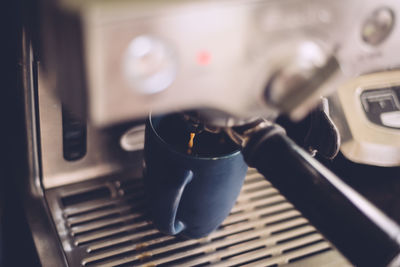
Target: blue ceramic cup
[(189, 195)]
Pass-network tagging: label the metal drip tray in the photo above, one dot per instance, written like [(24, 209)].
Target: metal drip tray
[(103, 223)]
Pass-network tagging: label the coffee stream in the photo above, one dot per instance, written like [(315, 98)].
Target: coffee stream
[(190, 144), (177, 132)]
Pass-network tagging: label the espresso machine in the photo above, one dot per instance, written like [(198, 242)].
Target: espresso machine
[(92, 71)]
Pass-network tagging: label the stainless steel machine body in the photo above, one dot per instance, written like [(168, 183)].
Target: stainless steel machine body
[(245, 58), (114, 61)]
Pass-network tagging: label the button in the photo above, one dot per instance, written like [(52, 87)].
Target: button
[(73, 134), (382, 106), (150, 65), (378, 26), (74, 137), (380, 101), (391, 119), (73, 154), (133, 139)]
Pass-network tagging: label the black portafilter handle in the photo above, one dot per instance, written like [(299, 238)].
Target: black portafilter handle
[(358, 229)]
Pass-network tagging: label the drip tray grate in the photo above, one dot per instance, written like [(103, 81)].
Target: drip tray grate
[(110, 228)]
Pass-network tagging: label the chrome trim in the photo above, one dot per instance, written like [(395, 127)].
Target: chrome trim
[(40, 224)]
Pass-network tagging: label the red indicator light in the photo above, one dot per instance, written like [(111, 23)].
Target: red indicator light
[(203, 58)]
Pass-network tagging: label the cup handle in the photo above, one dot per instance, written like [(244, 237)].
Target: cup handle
[(168, 207)]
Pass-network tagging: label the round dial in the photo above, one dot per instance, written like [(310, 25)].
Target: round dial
[(150, 65)]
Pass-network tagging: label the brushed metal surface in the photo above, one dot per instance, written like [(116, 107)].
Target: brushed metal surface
[(248, 41), (104, 154)]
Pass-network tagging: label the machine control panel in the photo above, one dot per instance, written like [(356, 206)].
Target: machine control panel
[(382, 106), (366, 111)]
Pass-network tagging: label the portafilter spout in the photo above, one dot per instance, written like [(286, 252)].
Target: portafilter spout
[(216, 121)]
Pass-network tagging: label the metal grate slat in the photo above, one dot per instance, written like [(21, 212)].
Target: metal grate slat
[(263, 242)]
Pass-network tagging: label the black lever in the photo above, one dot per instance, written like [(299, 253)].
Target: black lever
[(365, 235)]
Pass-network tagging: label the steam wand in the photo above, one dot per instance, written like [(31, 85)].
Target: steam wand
[(365, 235)]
